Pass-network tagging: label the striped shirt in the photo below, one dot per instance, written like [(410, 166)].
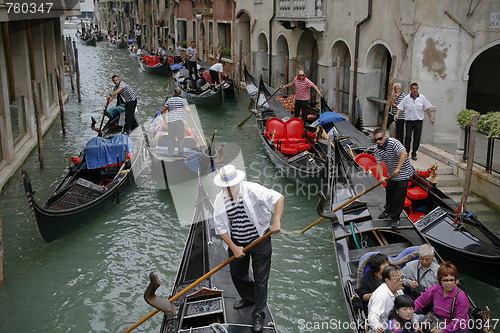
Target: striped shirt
[(414, 107), (242, 229), (176, 105), (302, 89), (127, 94), (394, 109), (390, 155)]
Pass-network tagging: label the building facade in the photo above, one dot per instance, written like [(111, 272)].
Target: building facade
[(347, 48), (31, 49)]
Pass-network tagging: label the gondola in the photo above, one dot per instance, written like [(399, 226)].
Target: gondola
[(120, 44), (208, 307), (198, 158), (94, 184), (358, 233), (86, 39), (151, 64), (458, 235), (290, 146), (198, 92)]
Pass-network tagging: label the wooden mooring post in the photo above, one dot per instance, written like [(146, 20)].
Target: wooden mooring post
[(70, 64), (61, 104), (2, 271), (470, 160), (389, 92), (38, 124), (77, 73)]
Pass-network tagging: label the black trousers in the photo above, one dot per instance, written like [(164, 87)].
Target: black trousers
[(413, 127), (215, 76), (301, 105), (175, 131), (177, 59), (130, 121), (254, 290), (139, 41), (192, 66), (395, 193), (400, 127)]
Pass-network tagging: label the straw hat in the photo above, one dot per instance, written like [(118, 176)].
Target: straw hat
[(228, 176)]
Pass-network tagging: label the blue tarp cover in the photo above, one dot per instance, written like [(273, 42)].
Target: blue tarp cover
[(330, 117), (100, 152), (111, 112), (175, 67)]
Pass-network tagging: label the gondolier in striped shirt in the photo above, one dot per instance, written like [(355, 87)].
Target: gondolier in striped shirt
[(242, 212), (394, 154), (302, 94), (129, 98), (175, 107)]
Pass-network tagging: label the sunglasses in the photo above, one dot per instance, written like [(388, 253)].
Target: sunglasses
[(302, 75), (447, 280), (378, 139)]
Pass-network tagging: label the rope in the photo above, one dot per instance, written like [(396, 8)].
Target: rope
[(458, 212)]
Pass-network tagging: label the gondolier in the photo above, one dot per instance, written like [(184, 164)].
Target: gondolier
[(128, 96), (192, 54), (302, 94), (216, 72), (175, 107), (394, 154), (242, 211)]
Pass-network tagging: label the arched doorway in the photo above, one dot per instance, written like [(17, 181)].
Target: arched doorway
[(261, 61), (307, 57), (341, 67), (372, 85), (203, 43), (483, 88), (281, 63), (243, 44)]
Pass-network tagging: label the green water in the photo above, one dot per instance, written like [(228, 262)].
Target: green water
[(93, 280)]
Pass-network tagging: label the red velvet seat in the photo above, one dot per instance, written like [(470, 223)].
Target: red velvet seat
[(416, 193), (369, 163), (288, 136), (207, 77)]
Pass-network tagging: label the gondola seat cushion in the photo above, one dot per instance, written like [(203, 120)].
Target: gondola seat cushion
[(416, 193), (206, 75), (154, 60), (369, 163), (288, 136)]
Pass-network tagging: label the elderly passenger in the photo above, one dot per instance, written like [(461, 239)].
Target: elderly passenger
[(419, 275)]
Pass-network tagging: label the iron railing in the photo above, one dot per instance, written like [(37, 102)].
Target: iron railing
[(485, 154)]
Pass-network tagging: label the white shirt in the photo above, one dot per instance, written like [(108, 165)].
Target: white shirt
[(161, 51), (217, 68), (414, 108), (259, 203), (191, 51), (379, 305), (178, 50)]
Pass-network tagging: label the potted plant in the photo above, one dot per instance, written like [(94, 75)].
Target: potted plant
[(490, 123)]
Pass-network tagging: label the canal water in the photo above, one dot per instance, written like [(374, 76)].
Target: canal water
[(93, 280)]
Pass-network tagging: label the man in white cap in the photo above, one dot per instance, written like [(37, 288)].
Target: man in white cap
[(242, 212)]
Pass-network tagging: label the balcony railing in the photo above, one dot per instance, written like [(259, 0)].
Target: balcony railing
[(310, 12)]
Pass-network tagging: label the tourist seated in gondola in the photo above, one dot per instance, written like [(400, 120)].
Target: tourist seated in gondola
[(372, 278), (382, 300), (449, 303), (400, 317), (419, 275)]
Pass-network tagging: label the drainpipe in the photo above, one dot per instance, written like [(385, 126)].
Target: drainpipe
[(270, 60), (356, 55)]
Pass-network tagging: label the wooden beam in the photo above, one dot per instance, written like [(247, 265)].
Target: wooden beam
[(38, 124), (460, 23)]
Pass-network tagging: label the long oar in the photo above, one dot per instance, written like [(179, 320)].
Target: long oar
[(198, 130), (251, 114), (171, 78), (345, 204), (103, 114), (201, 279)]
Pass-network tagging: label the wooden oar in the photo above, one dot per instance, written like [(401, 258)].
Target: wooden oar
[(103, 114), (251, 114), (171, 78), (201, 279), (197, 130), (345, 204)]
